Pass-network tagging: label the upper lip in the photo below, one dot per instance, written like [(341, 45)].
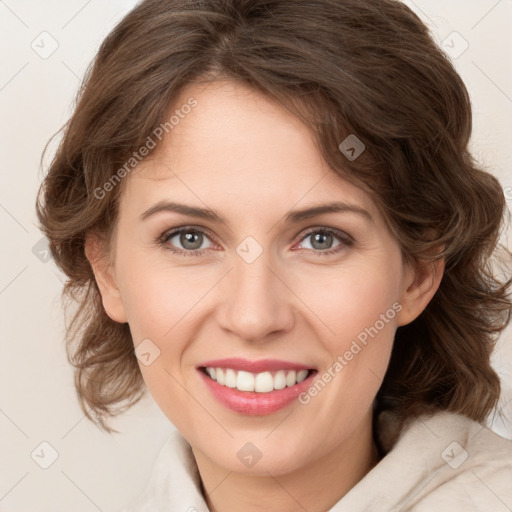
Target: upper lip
[(262, 365)]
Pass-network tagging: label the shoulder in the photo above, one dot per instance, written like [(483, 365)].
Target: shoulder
[(439, 462), (469, 466)]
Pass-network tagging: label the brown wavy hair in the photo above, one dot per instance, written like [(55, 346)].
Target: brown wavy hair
[(343, 67)]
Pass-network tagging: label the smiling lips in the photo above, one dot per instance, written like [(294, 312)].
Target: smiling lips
[(255, 387)]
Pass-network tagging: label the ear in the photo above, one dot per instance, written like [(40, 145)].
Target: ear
[(421, 283), (105, 278)]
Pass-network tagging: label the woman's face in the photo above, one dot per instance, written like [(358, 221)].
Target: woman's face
[(254, 276)]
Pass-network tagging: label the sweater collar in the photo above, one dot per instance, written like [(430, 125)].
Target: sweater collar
[(177, 483)]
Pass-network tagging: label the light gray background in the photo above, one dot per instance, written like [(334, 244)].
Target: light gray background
[(93, 470)]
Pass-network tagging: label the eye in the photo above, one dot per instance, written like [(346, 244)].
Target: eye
[(326, 240), (186, 240), (192, 241)]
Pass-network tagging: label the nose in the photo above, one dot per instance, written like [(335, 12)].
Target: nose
[(255, 301)]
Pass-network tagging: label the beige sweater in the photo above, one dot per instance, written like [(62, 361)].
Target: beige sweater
[(439, 463)]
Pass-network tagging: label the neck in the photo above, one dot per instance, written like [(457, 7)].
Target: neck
[(334, 474)]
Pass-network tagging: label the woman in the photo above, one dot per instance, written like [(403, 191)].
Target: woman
[(269, 216)]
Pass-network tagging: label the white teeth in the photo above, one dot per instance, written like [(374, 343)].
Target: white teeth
[(301, 375), (280, 380), (291, 378), (263, 382), (244, 381), (230, 378)]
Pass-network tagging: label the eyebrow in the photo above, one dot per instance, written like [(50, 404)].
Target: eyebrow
[(293, 216)]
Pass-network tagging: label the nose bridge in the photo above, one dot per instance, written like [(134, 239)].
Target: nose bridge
[(256, 302)]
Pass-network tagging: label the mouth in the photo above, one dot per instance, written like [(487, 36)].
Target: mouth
[(255, 388), (262, 382)]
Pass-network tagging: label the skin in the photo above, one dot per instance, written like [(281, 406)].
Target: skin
[(251, 161)]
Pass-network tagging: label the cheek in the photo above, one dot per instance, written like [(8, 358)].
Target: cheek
[(342, 302), (357, 307), (159, 305), (342, 305), (164, 305), (350, 299), (159, 300)]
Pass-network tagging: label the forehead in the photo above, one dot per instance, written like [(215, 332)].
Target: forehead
[(237, 145)]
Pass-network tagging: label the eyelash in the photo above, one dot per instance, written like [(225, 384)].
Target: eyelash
[(345, 240)]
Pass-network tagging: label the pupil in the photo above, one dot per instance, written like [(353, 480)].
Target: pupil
[(322, 241), (191, 240)]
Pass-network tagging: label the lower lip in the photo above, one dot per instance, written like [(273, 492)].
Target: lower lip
[(252, 403)]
